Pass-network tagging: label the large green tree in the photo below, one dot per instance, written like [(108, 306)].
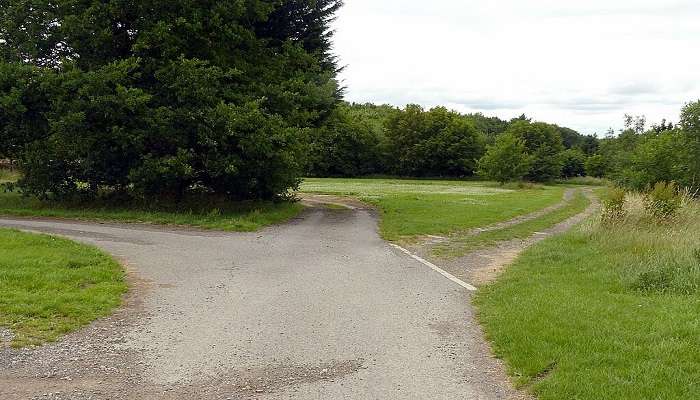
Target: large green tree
[(160, 98), (544, 144), (506, 160), (437, 142)]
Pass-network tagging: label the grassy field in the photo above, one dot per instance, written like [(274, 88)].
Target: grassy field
[(603, 312), (225, 216), (421, 207), (461, 245), (51, 286)]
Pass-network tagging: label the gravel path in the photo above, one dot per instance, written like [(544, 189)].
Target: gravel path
[(320, 308)]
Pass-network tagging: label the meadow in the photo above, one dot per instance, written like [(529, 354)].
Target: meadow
[(410, 208)]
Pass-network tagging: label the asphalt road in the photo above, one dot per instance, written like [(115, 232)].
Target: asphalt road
[(319, 308)]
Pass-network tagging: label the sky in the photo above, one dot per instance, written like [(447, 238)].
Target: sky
[(581, 64)]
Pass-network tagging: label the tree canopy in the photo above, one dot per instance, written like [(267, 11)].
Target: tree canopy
[(162, 98)]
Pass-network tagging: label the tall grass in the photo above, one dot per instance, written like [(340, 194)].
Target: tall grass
[(606, 311), (665, 256)]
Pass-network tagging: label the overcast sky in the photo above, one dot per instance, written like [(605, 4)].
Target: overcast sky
[(582, 64)]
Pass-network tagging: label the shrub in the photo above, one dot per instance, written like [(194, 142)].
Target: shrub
[(614, 206), (663, 201)]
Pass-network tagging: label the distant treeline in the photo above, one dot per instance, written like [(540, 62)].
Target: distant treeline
[(366, 139)]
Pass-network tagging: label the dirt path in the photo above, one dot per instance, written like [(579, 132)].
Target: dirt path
[(484, 265), (320, 308)]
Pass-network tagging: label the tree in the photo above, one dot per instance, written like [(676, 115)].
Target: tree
[(596, 166), (573, 163), (690, 123), (543, 143), (346, 146), (160, 99), (507, 160), (437, 142), (658, 158)]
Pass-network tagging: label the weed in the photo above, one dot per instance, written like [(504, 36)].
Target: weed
[(663, 201), (614, 206)]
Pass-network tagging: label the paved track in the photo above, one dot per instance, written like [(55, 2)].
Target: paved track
[(319, 308)]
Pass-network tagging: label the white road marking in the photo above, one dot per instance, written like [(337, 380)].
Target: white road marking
[(436, 269)]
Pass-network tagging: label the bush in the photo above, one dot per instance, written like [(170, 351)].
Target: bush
[(663, 201), (614, 206)]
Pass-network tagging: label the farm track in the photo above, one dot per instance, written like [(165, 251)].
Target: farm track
[(320, 308), (483, 265)]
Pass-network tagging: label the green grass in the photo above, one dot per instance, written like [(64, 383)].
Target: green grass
[(50, 286), (461, 245), (420, 207), (603, 312), (7, 175), (227, 216)]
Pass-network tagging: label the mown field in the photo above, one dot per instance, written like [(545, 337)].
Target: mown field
[(411, 208), (51, 286), (603, 312)]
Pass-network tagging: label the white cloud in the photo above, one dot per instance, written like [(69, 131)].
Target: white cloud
[(579, 64)]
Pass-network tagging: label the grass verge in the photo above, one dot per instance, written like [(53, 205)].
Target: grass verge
[(51, 286), (603, 312), (227, 216), (461, 245), (436, 207)]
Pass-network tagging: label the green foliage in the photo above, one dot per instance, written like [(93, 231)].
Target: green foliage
[(655, 157), (506, 160), (638, 159), (346, 146), (437, 142), (573, 163), (596, 166), (543, 143), (161, 99), (663, 201), (614, 205), (690, 123)]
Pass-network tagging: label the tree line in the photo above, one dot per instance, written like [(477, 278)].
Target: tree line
[(366, 139)]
